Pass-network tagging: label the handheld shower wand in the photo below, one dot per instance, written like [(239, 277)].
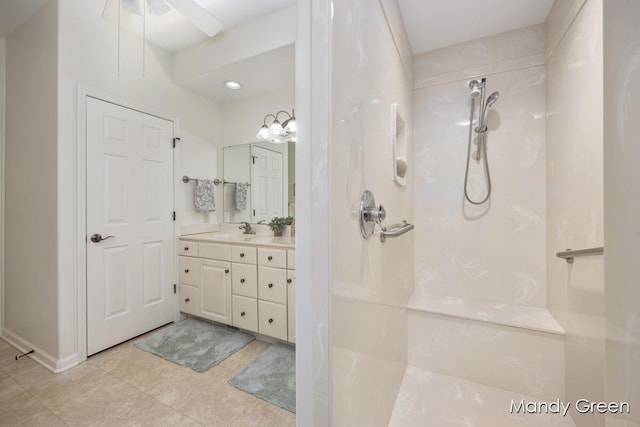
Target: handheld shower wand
[(477, 91)]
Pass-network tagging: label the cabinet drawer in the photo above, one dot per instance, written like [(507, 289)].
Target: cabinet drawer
[(272, 284), (189, 299), (189, 270), (272, 319), (245, 313), (244, 279), (214, 251), (272, 257), (187, 248), (291, 260), (291, 305), (243, 254)]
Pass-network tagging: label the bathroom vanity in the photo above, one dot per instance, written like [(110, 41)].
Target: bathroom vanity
[(247, 281)]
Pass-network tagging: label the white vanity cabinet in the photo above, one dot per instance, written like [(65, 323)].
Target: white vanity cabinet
[(250, 286), (205, 281)]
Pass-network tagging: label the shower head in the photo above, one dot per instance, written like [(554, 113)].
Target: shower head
[(475, 87), (492, 99)]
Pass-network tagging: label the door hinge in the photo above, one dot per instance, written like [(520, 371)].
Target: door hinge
[(174, 141), (174, 215), (175, 289)]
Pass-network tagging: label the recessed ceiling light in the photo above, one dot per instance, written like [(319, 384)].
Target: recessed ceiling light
[(233, 85)]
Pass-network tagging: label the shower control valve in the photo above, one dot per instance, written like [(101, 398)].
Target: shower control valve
[(370, 214), (375, 214)]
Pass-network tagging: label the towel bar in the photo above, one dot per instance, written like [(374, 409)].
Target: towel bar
[(186, 179)]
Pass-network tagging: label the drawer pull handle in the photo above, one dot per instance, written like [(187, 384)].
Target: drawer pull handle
[(241, 280), (226, 270), (186, 300), (269, 257), (242, 255), (270, 285), (242, 314), (186, 270), (270, 320), (186, 248), (289, 280)]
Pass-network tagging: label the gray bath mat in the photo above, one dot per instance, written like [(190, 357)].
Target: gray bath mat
[(194, 343), (271, 377)]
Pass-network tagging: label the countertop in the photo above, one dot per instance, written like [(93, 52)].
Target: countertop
[(242, 239)]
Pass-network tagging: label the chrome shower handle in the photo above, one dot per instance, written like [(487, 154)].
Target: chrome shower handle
[(396, 230)]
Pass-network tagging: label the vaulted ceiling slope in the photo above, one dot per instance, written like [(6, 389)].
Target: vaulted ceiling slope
[(433, 24)]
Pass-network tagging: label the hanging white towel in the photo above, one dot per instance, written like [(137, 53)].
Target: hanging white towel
[(205, 195), (241, 195)]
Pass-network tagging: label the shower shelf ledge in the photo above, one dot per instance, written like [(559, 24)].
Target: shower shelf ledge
[(519, 316)]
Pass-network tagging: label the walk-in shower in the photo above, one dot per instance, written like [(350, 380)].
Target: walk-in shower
[(477, 91)]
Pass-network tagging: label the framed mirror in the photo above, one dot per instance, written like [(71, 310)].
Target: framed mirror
[(259, 182)]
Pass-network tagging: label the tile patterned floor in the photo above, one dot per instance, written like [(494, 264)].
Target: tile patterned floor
[(125, 386)]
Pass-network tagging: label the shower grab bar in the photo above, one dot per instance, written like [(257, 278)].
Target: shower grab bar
[(569, 254), (396, 230)]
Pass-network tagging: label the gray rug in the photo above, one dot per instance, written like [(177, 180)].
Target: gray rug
[(194, 343), (271, 377)]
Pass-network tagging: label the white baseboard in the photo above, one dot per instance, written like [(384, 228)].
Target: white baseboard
[(41, 357)]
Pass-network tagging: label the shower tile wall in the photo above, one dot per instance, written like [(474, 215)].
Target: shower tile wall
[(575, 202), (371, 281), (494, 252)]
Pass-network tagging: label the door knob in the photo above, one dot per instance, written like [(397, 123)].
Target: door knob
[(97, 238)]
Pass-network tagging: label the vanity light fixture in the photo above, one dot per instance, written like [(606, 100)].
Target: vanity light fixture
[(230, 84), (278, 133)]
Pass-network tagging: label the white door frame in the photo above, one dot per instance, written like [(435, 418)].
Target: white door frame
[(81, 198), (2, 207)]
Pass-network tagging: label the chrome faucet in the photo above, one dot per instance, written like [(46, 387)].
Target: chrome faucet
[(247, 228)]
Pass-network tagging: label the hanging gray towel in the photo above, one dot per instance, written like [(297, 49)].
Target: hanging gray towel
[(205, 195), (241, 195)]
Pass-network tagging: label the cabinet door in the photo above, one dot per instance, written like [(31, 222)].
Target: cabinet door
[(215, 290), (291, 305), (189, 299), (272, 284), (272, 319), (272, 257), (188, 270), (244, 279), (245, 313)]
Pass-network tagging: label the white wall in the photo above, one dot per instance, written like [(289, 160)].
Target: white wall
[(31, 285), (370, 281), (242, 119), (88, 56), (575, 200), (198, 159), (494, 252), (622, 207)]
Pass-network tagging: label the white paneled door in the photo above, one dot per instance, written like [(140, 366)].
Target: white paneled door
[(267, 180), (130, 250)]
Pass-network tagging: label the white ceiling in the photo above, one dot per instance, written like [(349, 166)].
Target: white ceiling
[(261, 73), (439, 23), (431, 24), (14, 13), (236, 12)]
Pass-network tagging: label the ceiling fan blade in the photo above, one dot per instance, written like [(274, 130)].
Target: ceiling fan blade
[(199, 16)]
